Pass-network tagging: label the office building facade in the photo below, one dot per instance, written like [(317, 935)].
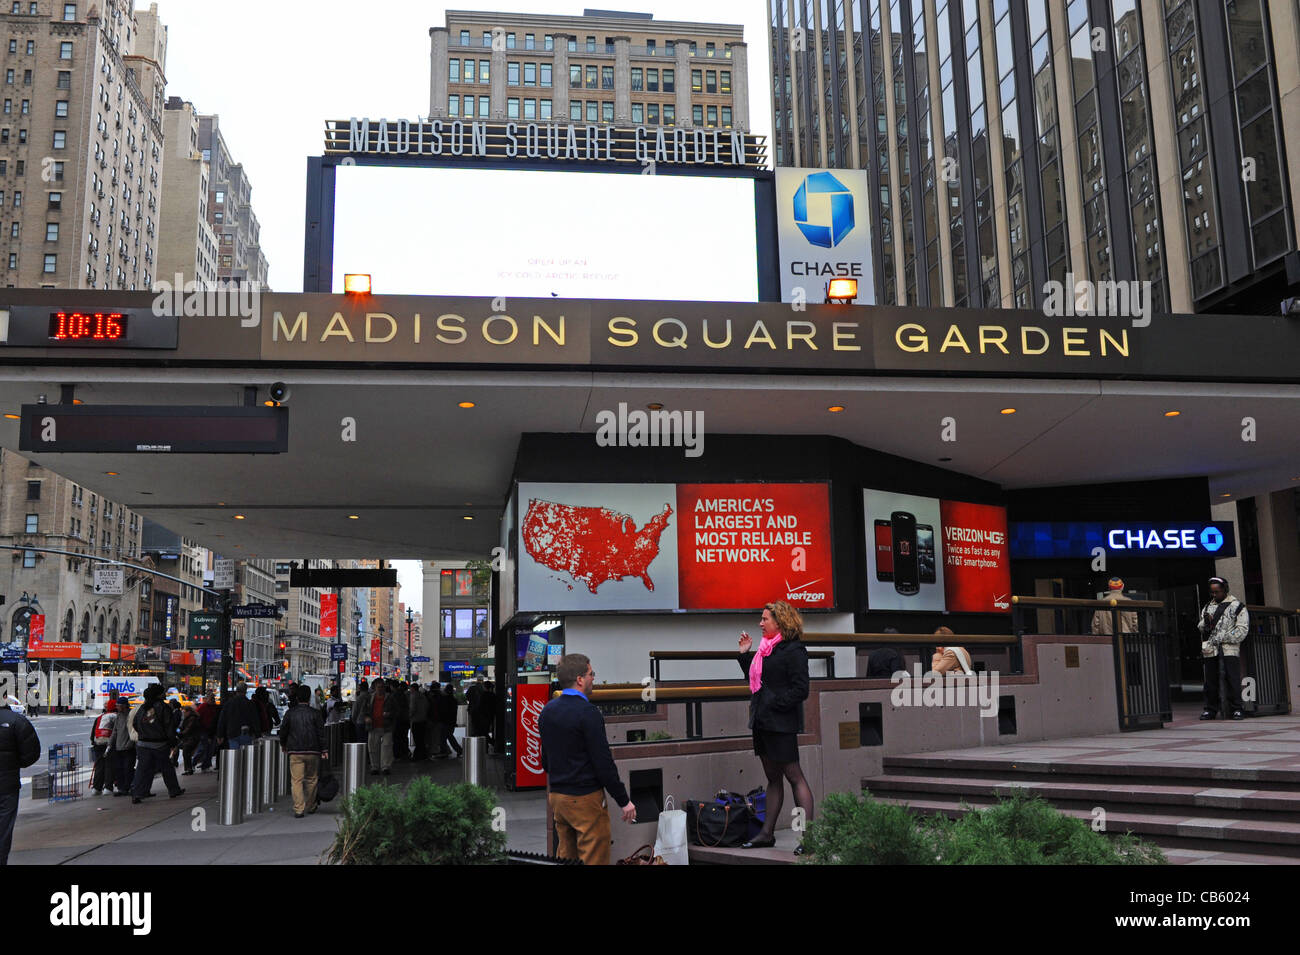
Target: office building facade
[(623, 69), (1015, 144)]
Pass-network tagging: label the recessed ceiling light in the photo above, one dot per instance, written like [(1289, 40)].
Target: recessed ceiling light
[(352, 517), (13, 417), (239, 517), (77, 401), (1172, 414), (1007, 411), (655, 406), (465, 404), (111, 473), (468, 517), (1225, 495), (835, 409)]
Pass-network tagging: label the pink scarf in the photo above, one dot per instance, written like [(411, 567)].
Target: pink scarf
[(765, 648)]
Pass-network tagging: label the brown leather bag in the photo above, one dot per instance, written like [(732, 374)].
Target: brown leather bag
[(643, 856)]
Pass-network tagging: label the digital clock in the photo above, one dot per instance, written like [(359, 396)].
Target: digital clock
[(88, 328)]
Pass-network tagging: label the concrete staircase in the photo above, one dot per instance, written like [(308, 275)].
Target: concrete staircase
[(1197, 814)]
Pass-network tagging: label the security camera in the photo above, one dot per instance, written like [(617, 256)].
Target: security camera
[(279, 391)]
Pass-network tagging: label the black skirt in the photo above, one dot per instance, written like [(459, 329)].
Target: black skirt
[(780, 748)]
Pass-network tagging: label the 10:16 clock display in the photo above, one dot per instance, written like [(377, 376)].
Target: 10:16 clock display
[(87, 327)]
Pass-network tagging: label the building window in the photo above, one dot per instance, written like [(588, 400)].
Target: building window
[(453, 71), (530, 74), (61, 109), (669, 81), (512, 74), (13, 260), (51, 263), (575, 110), (487, 37), (652, 81), (33, 521), (483, 70), (607, 112), (670, 114), (670, 48), (13, 45), (26, 107), (712, 115), (60, 139), (636, 79), (510, 41), (51, 232), (593, 111), (652, 114), (453, 105), (512, 108), (726, 116), (56, 200), (591, 77), (607, 77), (9, 77), (544, 109), (464, 38), (65, 51), (573, 44), (546, 75), (638, 113), (530, 41), (530, 109), (483, 106), (29, 558), (726, 81), (575, 77), (549, 42), (697, 81), (711, 82), (9, 106), (18, 198), (709, 49), (65, 80), (69, 11), (591, 44)]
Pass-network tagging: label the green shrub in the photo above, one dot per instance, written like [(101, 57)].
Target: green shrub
[(426, 825), (1019, 829), (853, 830), (658, 735)]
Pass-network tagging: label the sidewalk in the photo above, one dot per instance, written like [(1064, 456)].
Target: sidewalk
[(103, 830)]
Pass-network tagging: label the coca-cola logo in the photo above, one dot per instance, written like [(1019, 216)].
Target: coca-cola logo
[(530, 754)]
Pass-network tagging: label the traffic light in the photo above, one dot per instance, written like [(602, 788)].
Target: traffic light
[(283, 646)]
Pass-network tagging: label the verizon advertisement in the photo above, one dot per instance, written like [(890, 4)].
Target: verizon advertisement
[(329, 616), (529, 700), (673, 547), (928, 554)]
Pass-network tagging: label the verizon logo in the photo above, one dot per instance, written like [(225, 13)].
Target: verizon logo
[(76, 908), (974, 535)]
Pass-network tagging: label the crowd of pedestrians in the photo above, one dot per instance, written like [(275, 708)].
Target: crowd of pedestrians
[(408, 722)]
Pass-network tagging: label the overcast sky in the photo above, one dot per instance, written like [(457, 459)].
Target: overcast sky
[(284, 68)]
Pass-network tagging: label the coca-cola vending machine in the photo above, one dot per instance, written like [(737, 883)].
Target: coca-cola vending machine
[(535, 652)]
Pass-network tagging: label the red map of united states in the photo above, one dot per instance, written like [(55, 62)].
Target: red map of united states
[(592, 544)]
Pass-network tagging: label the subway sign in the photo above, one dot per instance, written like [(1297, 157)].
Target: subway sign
[(1038, 540)]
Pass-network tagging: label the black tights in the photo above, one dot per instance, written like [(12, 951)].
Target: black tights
[(777, 774)]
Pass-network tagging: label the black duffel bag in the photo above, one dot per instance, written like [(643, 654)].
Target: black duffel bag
[(716, 826)]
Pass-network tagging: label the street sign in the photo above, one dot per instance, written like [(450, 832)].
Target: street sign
[(205, 630), (223, 574), (420, 660), (254, 610), (110, 580), (338, 651)]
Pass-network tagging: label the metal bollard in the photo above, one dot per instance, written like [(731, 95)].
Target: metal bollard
[(281, 773), (268, 746), (354, 767), (334, 743), (475, 759), (252, 770), (230, 787)]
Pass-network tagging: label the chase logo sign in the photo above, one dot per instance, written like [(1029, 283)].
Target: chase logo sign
[(837, 220), (1040, 540)]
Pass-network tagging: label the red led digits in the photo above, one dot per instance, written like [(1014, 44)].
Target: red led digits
[(95, 326)]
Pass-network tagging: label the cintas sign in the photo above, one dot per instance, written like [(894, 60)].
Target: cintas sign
[(530, 699)]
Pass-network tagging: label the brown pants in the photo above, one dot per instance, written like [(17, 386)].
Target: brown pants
[(303, 773), (582, 826)]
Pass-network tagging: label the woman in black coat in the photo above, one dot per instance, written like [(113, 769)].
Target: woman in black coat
[(778, 679)]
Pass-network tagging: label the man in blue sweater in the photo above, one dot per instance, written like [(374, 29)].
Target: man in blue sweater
[(579, 766)]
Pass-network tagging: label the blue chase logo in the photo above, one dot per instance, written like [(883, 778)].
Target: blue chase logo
[(1211, 539), (823, 234)]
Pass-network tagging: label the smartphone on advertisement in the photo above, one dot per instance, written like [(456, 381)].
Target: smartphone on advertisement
[(884, 552), (906, 570), (925, 553)]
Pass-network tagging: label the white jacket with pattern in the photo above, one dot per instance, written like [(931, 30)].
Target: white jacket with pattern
[(1231, 630)]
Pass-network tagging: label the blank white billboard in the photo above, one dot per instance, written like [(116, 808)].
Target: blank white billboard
[(490, 232)]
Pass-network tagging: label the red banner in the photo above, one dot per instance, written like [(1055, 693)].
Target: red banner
[(976, 563), (329, 616), (35, 630), (125, 651), (745, 545), (374, 650), (40, 650), (529, 700), (239, 649)]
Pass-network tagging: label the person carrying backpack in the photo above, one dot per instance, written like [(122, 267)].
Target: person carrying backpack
[(101, 748), (155, 739)]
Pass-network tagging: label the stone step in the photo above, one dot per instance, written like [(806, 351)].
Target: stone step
[(1164, 798), (1181, 772)]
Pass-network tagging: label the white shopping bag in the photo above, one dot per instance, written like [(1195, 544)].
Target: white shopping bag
[(670, 840)]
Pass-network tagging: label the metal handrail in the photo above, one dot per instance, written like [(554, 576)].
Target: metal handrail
[(916, 639), (1094, 604), (720, 654), (632, 692)]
